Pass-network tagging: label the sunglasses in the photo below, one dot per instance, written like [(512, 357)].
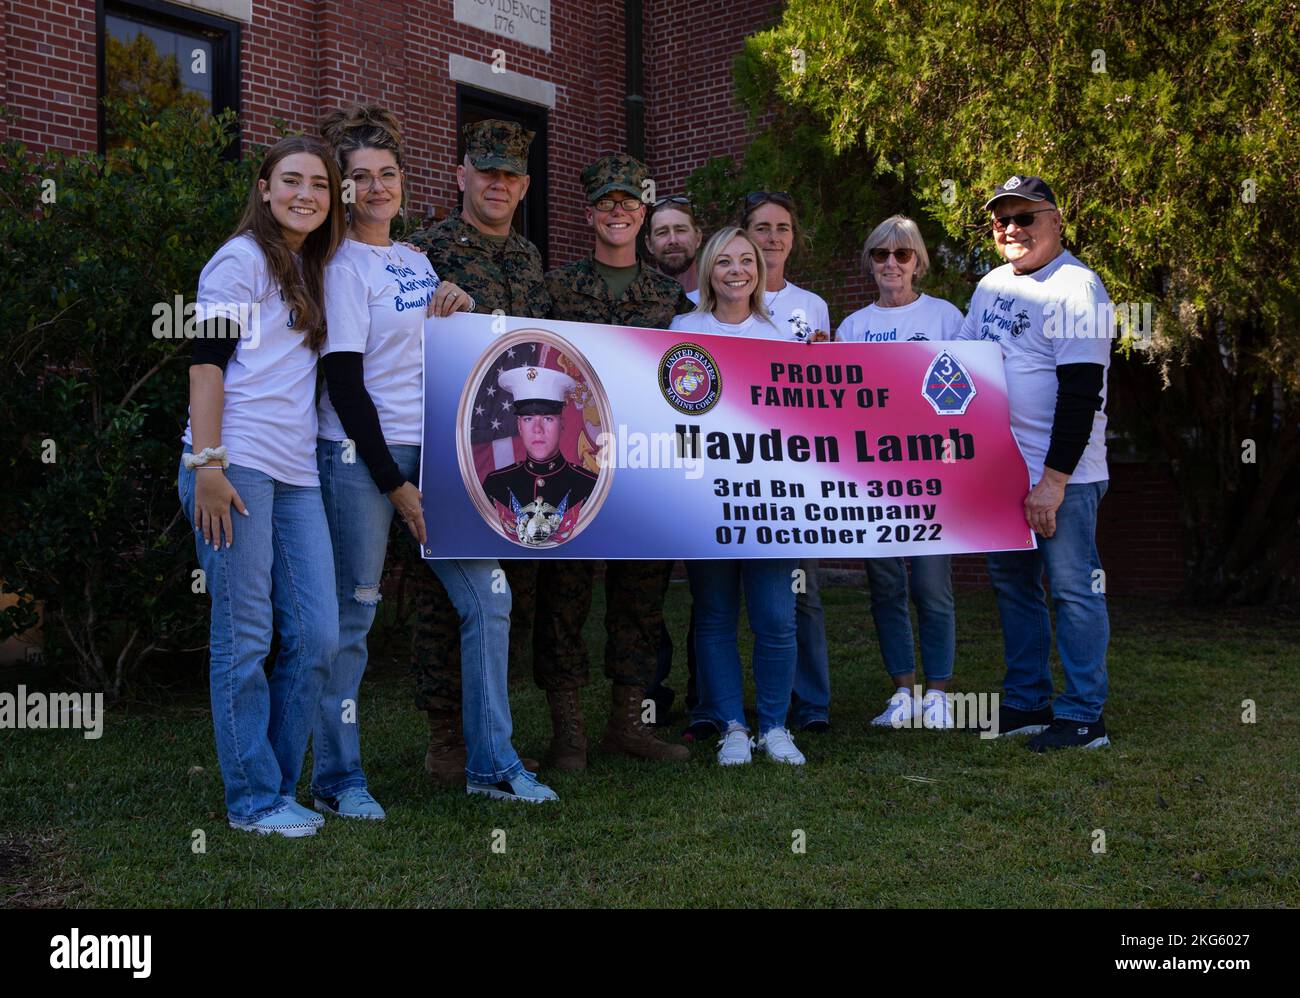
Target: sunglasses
[(1024, 220), (762, 197), (880, 254), (680, 199)]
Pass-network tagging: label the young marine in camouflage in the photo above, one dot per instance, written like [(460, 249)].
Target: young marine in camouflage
[(634, 590)]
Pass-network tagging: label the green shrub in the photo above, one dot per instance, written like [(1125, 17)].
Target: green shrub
[(93, 404)]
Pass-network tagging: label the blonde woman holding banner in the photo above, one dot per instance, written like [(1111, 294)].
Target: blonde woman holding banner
[(731, 304)]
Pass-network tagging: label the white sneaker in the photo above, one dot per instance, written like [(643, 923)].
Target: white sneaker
[(780, 747), (936, 710), (901, 712), (734, 748)]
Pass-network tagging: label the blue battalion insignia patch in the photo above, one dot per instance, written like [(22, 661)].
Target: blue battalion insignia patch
[(947, 386)]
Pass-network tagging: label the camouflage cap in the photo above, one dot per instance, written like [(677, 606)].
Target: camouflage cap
[(494, 144), (615, 172)]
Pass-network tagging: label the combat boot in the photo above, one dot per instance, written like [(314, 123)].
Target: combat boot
[(568, 741), (445, 759), (626, 733)]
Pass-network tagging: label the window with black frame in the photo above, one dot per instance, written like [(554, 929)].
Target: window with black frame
[(154, 56)]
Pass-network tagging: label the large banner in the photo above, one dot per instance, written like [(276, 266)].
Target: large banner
[(572, 440)]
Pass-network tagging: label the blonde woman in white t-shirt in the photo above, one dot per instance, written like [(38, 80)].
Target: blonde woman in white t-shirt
[(731, 304), (250, 451), (894, 259)]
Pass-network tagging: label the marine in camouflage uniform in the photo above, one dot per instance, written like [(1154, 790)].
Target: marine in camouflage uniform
[(503, 273), (634, 590)]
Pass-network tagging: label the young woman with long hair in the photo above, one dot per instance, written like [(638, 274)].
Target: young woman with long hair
[(250, 448)]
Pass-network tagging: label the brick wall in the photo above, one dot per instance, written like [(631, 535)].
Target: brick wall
[(302, 61), (48, 66)]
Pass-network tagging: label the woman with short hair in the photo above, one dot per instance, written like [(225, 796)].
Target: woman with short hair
[(731, 304), (894, 260)]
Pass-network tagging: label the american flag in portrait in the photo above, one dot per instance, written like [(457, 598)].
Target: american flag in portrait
[(494, 430)]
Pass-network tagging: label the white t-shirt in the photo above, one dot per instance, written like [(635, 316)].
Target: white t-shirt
[(705, 322), (924, 319), (375, 302), (1042, 320), (268, 421), (796, 312)]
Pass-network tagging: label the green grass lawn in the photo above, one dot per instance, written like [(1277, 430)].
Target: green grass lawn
[(1198, 808)]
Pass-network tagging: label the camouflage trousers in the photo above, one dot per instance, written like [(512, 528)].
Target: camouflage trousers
[(634, 616), (550, 604)]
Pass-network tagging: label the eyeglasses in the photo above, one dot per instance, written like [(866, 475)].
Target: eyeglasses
[(629, 205), (364, 180), (680, 199), (880, 254), (1023, 220)]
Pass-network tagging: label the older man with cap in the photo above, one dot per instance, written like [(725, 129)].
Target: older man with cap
[(476, 247), (1047, 311), (611, 286), (541, 497)]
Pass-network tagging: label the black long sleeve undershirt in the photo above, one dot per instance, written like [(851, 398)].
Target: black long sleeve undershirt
[(1078, 397), (214, 343), (345, 381)]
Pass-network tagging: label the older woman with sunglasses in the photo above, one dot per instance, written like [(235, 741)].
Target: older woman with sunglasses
[(894, 260)]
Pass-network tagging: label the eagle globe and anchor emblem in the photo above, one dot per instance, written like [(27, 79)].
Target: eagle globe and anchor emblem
[(537, 522), (689, 379)]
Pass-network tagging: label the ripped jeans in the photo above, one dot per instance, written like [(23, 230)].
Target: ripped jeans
[(359, 518)]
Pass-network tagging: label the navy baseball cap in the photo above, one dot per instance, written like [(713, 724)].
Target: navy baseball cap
[(1029, 188)]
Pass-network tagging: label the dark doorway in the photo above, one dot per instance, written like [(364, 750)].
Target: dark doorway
[(475, 105)]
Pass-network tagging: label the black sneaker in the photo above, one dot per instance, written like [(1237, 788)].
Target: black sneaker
[(1014, 721), (701, 731), (1065, 733), (816, 727)]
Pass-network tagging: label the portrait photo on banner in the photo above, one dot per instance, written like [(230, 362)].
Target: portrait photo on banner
[(528, 426)]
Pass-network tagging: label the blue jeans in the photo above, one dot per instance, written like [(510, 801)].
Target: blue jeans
[(936, 613), (1082, 624), (277, 574), (811, 699), (769, 600), (359, 520)]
